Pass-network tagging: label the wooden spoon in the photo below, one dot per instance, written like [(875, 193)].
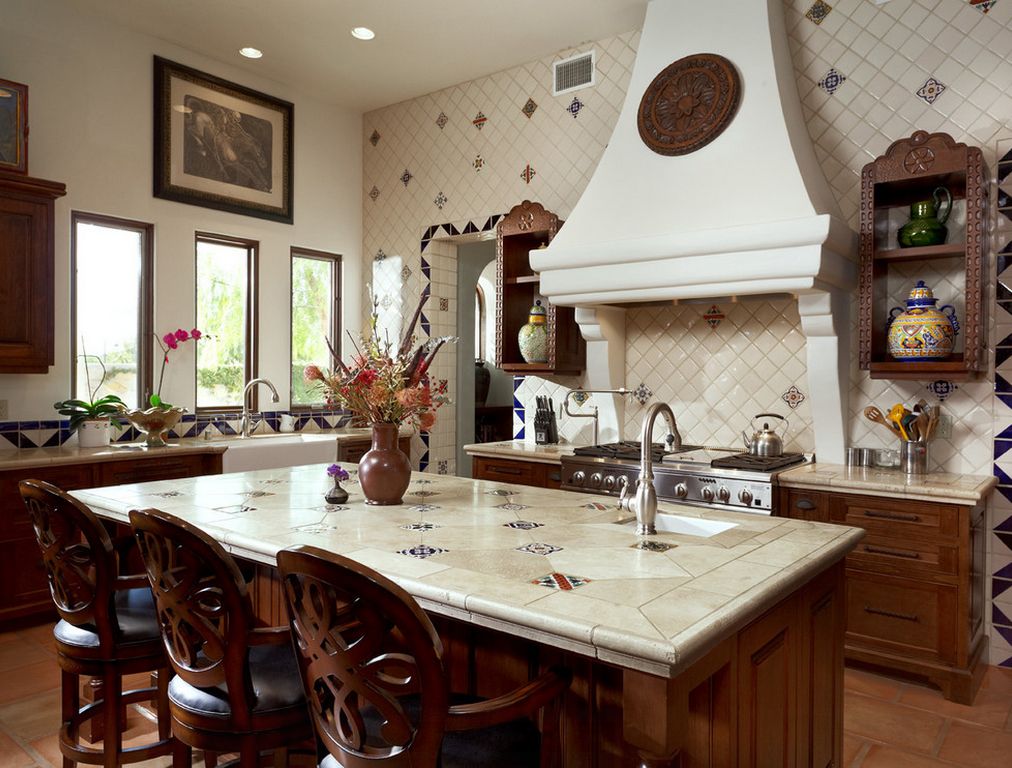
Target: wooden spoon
[(874, 414), (923, 427)]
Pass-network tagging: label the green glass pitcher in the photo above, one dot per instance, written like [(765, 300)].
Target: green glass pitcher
[(927, 225)]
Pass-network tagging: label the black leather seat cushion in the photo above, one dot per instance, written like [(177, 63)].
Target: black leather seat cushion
[(516, 744), (275, 675), (135, 612)]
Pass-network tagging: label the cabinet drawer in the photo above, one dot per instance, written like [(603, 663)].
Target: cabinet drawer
[(803, 505), (147, 470), (506, 471), (896, 518), (904, 616), (890, 554)]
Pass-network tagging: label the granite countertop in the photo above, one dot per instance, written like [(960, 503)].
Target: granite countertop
[(520, 449), (543, 564), (872, 481)]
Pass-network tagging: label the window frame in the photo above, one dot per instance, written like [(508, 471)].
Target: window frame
[(251, 321), (145, 309), (336, 261)]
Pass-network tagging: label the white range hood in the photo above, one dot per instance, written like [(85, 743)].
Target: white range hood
[(748, 213)]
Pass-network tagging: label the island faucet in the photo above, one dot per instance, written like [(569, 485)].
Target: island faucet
[(643, 503), (246, 422)]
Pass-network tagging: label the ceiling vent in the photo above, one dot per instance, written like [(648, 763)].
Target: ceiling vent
[(573, 73)]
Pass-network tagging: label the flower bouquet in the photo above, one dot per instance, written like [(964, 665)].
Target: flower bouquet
[(385, 386)]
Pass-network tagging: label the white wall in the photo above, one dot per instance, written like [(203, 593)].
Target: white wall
[(90, 113)]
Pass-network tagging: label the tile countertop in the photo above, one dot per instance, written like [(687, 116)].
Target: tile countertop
[(543, 564), (520, 449), (870, 481)]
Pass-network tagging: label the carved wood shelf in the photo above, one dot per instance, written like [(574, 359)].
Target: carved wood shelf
[(909, 171)]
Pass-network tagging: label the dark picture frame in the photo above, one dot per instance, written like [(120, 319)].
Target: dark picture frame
[(13, 127), (221, 145)]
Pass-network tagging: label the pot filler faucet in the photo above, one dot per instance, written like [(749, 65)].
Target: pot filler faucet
[(643, 503), (246, 422), (593, 413)]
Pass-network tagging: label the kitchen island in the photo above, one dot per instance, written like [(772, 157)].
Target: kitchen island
[(719, 645)]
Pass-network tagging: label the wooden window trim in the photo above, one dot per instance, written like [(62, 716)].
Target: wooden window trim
[(336, 260), (145, 310)]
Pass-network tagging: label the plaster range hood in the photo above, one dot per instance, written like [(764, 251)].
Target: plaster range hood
[(748, 213)]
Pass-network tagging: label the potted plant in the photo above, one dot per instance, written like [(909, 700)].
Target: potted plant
[(91, 418)]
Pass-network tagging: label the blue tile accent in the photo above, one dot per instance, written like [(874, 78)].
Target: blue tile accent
[(1001, 447), (1006, 491), (1001, 384), (1004, 573)]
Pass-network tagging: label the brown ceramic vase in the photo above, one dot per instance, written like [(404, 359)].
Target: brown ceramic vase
[(384, 471)]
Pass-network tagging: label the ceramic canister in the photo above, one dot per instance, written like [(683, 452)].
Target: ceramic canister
[(533, 336), (922, 331)]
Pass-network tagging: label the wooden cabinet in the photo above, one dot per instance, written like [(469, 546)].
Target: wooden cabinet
[(910, 171), (915, 587), (25, 592), (517, 471), (27, 208), (353, 450), (526, 227)]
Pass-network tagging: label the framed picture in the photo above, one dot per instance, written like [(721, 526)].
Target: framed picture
[(221, 145), (13, 127)]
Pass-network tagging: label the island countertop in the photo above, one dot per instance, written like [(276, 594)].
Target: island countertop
[(543, 564), (521, 449)]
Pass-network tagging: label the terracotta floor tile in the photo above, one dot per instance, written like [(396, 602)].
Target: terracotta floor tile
[(41, 634), (887, 757), (139, 731), (869, 684), (998, 680), (905, 727), (851, 746), (32, 717), (11, 755), (977, 747), (990, 707), (19, 652), (29, 680)]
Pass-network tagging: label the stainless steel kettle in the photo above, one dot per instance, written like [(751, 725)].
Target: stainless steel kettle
[(765, 442)]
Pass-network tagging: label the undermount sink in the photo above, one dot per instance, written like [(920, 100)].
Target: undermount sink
[(689, 526), (276, 451)]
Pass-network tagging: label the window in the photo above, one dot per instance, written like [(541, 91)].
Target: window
[(110, 296), (226, 312), (316, 317)]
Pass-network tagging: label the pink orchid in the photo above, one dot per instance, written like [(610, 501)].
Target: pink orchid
[(168, 342), (181, 335)]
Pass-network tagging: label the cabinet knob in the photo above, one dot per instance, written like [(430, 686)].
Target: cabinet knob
[(805, 504)]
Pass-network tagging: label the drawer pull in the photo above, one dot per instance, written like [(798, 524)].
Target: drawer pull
[(556, 476), (891, 614), (892, 552), (506, 470), (905, 518), (805, 504)]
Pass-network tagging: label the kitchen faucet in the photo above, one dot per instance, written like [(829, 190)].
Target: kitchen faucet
[(246, 422), (592, 414), (643, 503)]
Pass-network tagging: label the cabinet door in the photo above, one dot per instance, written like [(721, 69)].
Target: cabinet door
[(803, 505), (13, 517), (160, 468), (25, 586)]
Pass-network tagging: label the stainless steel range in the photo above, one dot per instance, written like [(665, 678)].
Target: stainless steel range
[(708, 477)]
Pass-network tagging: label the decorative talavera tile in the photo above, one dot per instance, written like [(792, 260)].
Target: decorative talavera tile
[(832, 81), (374, 193), (422, 551), (793, 397), (422, 508), (983, 6), (442, 120), (443, 466), (642, 393), (406, 177), (375, 138), (421, 526), (713, 316), (235, 509), (580, 397), (653, 546), (528, 173), (444, 304), (380, 255), (479, 163), (168, 494), (575, 106), (314, 528), (511, 506), (941, 388), (405, 273), (529, 108), (539, 548), (423, 494), (818, 12), (440, 200), (595, 506), (931, 90), (563, 581), (479, 120), (502, 492), (522, 525)]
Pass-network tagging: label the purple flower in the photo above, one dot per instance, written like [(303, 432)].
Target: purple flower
[(335, 471)]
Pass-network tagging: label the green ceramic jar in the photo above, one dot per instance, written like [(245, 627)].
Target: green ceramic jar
[(926, 225)]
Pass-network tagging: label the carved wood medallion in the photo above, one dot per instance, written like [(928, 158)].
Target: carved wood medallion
[(689, 104)]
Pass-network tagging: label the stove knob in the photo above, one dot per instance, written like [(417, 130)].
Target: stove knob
[(723, 494), (609, 482), (681, 491), (595, 480), (578, 477), (707, 493), (745, 497)]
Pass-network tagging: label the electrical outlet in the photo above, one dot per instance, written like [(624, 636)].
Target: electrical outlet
[(3, 409), (944, 427)]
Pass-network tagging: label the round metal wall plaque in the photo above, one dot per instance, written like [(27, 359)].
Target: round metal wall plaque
[(689, 104)]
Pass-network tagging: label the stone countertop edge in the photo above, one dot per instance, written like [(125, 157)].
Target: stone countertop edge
[(520, 449), (655, 657), (943, 487)]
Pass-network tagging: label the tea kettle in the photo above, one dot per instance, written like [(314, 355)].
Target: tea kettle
[(765, 442)]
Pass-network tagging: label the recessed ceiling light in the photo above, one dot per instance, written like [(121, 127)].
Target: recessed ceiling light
[(363, 33), (251, 53)]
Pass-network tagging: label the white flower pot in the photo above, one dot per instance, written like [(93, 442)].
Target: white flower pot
[(93, 433)]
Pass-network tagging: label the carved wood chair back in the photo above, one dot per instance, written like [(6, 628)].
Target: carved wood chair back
[(203, 606)]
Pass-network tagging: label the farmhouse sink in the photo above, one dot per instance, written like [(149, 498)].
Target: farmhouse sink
[(689, 526), (276, 451)]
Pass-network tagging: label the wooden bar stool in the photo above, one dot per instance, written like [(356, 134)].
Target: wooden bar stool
[(237, 687), (107, 628), (372, 667)]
